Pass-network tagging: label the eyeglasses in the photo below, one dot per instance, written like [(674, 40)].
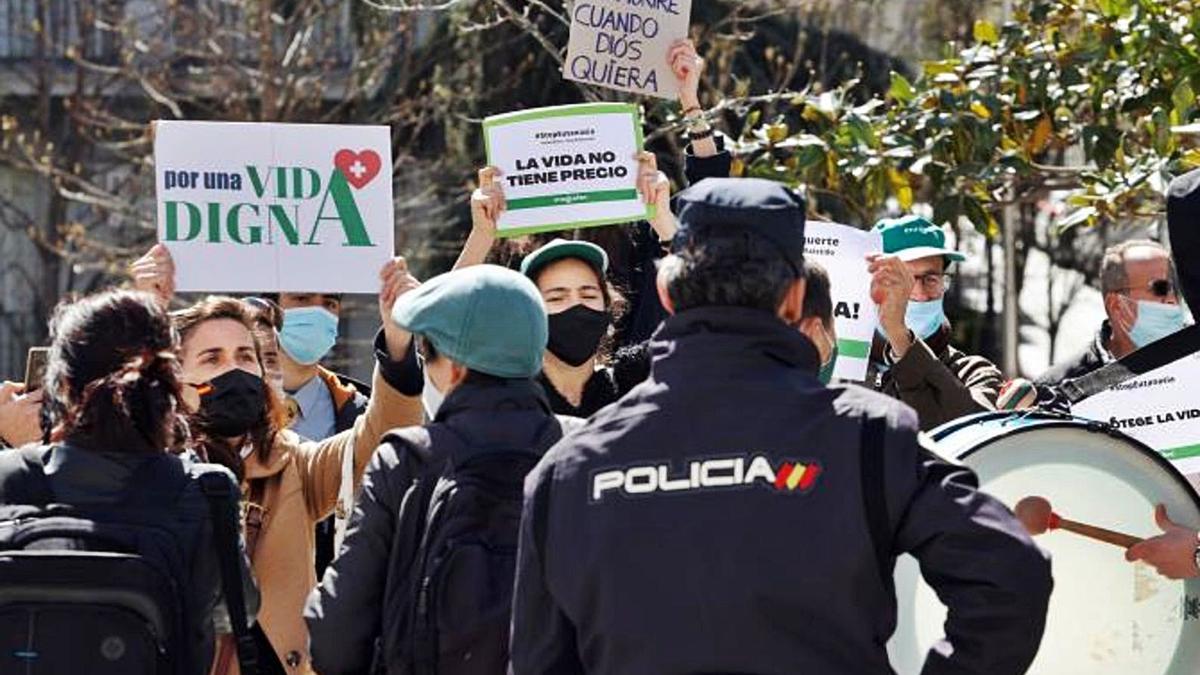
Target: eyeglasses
[(933, 283), (1160, 288), (267, 310)]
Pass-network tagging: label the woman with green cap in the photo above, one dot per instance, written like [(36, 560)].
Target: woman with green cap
[(426, 569), (581, 375)]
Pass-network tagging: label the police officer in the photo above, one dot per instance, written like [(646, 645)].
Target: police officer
[(733, 514)]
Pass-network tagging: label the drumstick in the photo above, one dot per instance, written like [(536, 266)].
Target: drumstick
[(1036, 514)]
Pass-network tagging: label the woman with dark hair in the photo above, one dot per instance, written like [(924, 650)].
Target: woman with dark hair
[(113, 398), (583, 371), (289, 484)]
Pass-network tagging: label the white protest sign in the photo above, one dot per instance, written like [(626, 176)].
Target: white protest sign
[(1160, 409), (623, 44), (246, 207), (842, 251), (567, 166)]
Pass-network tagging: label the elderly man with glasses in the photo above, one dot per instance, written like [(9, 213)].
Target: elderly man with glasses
[(1137, 280), (912, 358)]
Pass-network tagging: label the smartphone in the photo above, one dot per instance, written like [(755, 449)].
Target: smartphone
[(35, 368)]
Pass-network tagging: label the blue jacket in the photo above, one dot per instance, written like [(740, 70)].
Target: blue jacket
[(713, 520)]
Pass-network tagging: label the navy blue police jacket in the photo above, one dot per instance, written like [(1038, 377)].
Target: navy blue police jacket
[(713, 521)]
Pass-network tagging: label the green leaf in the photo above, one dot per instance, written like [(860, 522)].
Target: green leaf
[(1183, 98), (985, 32), (901, 89), (982, 220), (932, 68), (1077, 217)]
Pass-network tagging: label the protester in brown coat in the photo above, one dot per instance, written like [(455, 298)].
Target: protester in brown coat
[(912, 358), (290, 484)]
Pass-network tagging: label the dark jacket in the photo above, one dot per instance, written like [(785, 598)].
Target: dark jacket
[(1183, 227), (712, 521), (356, 602), (350, 399), (80, 477), (628, 367), (938, 381), (1092, 358), (638, 282)]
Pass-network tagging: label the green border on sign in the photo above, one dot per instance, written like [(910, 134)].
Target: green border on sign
[(1182, 452), (856, 349), (575, 110)]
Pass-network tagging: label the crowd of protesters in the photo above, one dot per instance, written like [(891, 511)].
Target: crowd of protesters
[(391, 527)]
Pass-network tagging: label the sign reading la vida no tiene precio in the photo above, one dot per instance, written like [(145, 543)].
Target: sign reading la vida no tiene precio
[(623, 44), (566, 167), (254, 207)]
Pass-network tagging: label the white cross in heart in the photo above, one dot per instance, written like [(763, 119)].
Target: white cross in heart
[(358, 169)]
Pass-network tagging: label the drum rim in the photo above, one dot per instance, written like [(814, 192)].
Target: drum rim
[(1062, 421)]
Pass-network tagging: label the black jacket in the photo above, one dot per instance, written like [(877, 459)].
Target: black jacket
[(1092, 358), (627, 369), (638, 282), (356, 602), (713, 521)]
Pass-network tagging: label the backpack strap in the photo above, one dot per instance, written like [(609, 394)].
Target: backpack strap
[(256, 489), (1151, 357), (222, 498), (874, 492), (30, 480)]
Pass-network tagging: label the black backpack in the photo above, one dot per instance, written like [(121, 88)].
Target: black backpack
[(102, 589), (463, 511)]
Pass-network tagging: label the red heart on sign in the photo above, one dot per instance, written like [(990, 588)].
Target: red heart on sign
[(358, 167)]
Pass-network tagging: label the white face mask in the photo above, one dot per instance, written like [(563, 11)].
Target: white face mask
[(431, 399)]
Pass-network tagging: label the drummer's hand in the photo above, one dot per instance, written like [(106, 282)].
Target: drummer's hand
[(1172, 553)]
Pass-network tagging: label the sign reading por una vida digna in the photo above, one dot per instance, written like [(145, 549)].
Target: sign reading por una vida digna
[(253, 207)]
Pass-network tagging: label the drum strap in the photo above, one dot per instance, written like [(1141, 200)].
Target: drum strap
[(874, 491), (1151, 357)]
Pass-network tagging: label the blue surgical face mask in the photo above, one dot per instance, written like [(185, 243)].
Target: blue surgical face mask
[(1155, 321), (308, 333), (924, 318)]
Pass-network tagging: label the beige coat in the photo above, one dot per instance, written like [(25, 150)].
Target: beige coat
[(302, 488)]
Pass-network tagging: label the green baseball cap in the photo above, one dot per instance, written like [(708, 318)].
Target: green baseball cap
[(912, 237), (565, 248), (488, 318)]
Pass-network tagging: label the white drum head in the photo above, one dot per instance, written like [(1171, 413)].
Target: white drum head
[(1106, 616)]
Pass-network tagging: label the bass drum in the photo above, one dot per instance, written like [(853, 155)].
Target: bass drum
[(1106, 616)]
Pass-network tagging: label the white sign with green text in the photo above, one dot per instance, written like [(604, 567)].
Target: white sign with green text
[(254, 207), (1160, 408), (842, 251), (567, 166)]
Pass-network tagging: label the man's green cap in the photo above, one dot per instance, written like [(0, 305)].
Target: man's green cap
[(488, 318), (912, 237), (565, 248)]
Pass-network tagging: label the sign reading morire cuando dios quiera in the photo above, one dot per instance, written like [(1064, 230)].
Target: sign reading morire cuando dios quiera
[(623, 44), (566, 167), (254, 207)]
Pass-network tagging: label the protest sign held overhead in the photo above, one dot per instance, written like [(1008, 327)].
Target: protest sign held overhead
[(622, 44), (566, 167), (251, 207), (842, 251), (1160, 409)]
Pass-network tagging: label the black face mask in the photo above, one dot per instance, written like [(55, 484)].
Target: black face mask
[(231, 404), (576, 333)]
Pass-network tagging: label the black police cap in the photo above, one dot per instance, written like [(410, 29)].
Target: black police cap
[(769, 209)]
